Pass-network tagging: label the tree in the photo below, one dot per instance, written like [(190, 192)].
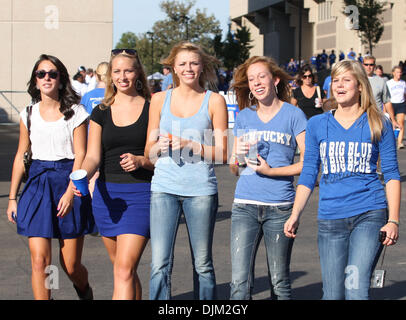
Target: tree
[(236, 47), (369, 20), (128, 40), (181, 23)]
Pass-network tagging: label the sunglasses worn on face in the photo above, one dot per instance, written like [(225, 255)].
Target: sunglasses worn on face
[(369, 64), (307, 76), (42, 73), (131, 52)]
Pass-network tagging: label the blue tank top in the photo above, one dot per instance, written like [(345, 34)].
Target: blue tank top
[(180, 172)]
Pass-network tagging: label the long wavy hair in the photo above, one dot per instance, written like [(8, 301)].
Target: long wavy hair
[(241, 86), (67, 96), (111, 91), (208, 78), (366, 100)]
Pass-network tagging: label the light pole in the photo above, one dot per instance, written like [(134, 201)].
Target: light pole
[(151, 35), (186, 19)]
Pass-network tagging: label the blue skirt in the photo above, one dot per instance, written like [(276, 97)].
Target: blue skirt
[(121, 208), (37, 207)]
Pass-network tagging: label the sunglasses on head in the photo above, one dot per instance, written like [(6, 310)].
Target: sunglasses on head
[(305, 76), (40, 74), (369, 64), (131, 52)]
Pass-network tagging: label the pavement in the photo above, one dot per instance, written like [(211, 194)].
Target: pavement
[(15, 266)]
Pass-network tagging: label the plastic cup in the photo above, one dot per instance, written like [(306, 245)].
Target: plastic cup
[(79, 178), (396, 132)]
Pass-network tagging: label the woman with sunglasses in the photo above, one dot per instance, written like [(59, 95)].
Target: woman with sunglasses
[(47, 208), (308, 96), (354, 208), (268, 129), (183, 123), (121, 197)]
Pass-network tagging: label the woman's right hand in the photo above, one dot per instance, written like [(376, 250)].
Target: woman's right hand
[(12, 210)]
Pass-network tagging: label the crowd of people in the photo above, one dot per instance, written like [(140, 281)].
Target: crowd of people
[(150, 157)]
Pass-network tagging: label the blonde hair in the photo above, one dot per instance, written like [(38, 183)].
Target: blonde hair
[(111, 91), (367, 100), (101, 71), (208, 77), (242, 89)]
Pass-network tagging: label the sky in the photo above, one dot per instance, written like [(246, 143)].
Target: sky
[(139, 16)]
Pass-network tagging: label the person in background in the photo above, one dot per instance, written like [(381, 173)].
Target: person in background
[(332, 58), (351, 55), (167, 82), (47, 208), (90, 79), (354, 208), (341, 56), (397, 90), (264, 193), (79, 84), (379, 72), (94, 97), (121, 198), (185, 137), (308, 95), (379, 89)]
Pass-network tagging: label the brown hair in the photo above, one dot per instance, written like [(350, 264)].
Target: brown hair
[(111, 91), (367, 101), (241, 87), (208, 76)]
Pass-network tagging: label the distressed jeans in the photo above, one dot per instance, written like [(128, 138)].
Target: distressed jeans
[(200, 214), (249, 223), (349, 250)]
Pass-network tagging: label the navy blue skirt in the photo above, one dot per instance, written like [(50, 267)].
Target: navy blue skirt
[(37, 207), (121, 208)]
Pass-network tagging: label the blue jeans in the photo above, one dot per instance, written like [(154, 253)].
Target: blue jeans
[(249, 223), (349, 250), (200, 214)]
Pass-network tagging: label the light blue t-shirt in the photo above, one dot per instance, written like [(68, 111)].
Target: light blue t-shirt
[(92, 99), (168, 80), (181, 172), (347, 158), (277, 145), (327, 85)]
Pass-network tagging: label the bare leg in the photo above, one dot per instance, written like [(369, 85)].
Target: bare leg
[(41, 254), (71, 261), (129, 249)]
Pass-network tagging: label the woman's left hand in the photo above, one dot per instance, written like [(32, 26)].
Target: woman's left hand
[(131, 162), (262, 167), (65, 204), (392, 234)]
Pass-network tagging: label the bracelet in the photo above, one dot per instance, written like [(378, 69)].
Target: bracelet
[(394, 222), (12, 199)]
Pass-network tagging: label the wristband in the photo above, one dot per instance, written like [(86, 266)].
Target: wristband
[(394, 222), (12, 199)]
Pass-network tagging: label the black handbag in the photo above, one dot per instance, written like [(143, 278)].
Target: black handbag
[(28, 154)]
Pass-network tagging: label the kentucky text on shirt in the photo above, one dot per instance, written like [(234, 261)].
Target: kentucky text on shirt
[(269, 136), (358, 157)]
